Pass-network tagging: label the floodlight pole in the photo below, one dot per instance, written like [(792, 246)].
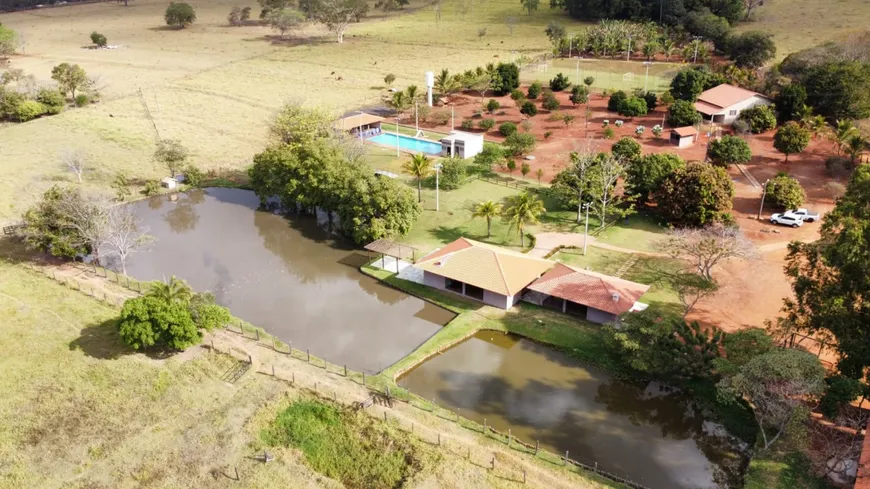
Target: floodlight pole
[(628, 50), (586, 234), (417, 116), (646, 80), (570, 45), (578, 72), (452, 117), (763, 193), (437, 197), (696, 43), (397, 136)]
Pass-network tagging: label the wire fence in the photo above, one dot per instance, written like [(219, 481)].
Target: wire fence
[(382, 390)]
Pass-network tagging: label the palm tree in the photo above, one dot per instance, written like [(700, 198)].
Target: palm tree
[(855, 147), (174, 290), (487, 209), (650, 49), (418, 167), (842, 134), (413, 94), (445, 84), (668, 47), (400, 102), (816, 124), (522, 210)]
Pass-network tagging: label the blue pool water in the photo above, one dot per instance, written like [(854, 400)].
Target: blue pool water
[(408, 143)]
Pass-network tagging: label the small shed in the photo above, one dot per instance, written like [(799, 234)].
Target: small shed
[(462, 144), (683, 137), (361, 124)]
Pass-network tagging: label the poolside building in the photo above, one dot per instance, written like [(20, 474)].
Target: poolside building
[(462, 144), (486, 273), (596, 297), (361, 124), (723, 104)]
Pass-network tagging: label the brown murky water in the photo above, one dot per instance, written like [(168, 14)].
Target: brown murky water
[(289, 277), (640, 432)]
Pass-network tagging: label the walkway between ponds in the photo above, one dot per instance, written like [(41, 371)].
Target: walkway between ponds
[(546, 243)]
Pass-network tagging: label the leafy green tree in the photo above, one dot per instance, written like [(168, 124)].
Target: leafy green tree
[(626, 149), (588, 81), (534, 90), (777, 385), (511, 166), (179, 14), (488, 210), (696, 195), (550, 103), (555, 33), (492, 106), (579, 95), (525, 168), (49, 227), (491, 154), (529, 108), (791, 138), (760, 118), (855, 147), (530, 5), (615, 101), (632, 107), (682, 113), (785, 191), (750, 49), (791, 103), (419, 166), (559, 82), (664, 346), (507, 128), (520, 143), (70, 78), (298, 125), (486, 124), (99, 40), (453, 172), (829, 279), (728, 150), (8, 42), (572, 187), (690, 82), (708, 25), (645, 177), (147, 322), (52, 99), (337, 15), (744, 345), (839, 90), (840, 392), (652, 101), (505, 78), (522, 210), (285, 19), (172, 154)]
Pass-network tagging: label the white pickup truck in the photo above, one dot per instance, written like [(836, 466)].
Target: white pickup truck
[(804, 214)]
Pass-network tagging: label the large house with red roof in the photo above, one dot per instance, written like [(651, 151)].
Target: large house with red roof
[(501, 278)]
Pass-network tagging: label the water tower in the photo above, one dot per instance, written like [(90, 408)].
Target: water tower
[(430, 83)]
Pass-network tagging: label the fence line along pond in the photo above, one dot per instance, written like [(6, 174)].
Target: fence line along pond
[(645, 433), (290, 277)]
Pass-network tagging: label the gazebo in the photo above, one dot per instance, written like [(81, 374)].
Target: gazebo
[(361, 124), (386, 247)]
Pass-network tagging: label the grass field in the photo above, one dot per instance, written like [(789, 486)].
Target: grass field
[(608, 74)]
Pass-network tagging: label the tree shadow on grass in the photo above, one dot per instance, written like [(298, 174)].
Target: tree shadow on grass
[(101, 341), (447, 234)]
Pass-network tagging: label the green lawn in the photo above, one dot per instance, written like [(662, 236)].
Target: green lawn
[(608, 73), (778, 470)]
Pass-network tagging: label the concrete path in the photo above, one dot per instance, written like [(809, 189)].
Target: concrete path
[(547, 242)]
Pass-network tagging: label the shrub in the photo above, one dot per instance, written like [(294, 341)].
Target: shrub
[(609, 133), (632, 107), (193, 176), (440, 117), (760, 118), (491, 154), (9, 103), (785, 191), (588, 81), (99, 39), (152, 188), (740, 127), (651, 101), (389, 79), (547, 134), (616, 100), (520, 143), (618, 123), (529, 108), (492, 106), (423, 112), (52, 99), (486, 124), (645, 176), (179, 14), (507, 128), (696, 195), (559, 83), (579, 94), (517, 95), (682, 113), (29, 110), (639, 130), (666, 99), (728, 150), (626, 149), (82, 100), (467, 124), (838, 167), (534, 90), (453, 171), (657, 130), (556, 116), (507, 76), (527, 125), (550, 102), (835, 190)]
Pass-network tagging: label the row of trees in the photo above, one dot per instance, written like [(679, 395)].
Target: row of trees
[(22, 101)]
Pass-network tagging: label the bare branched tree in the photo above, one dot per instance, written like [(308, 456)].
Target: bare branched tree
[(89, 216), (607, 172), (125, 234), (582, 160), (751, 5), (354, 148), (76, 162), (834, 450), (708, 246)]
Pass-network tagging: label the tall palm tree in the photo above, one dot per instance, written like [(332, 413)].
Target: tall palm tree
[(650, 49), (487, 209), (418, 167), (816, 124), (400, 102), (855, 147), (668, 48), (445, 83), (842, 134), (172, 291), (413, 93), (523, 210)]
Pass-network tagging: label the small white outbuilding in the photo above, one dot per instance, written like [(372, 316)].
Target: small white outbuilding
[(462, 144)]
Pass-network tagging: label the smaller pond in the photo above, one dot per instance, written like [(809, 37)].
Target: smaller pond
[(646, 433)]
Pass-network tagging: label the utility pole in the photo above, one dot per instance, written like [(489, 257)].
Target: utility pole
[(763, 193), (661, 9), (697, 42), (578, 72), (628, 50), (437, 199), (397, 137), (452, 116), (586, 234), (646, 80)]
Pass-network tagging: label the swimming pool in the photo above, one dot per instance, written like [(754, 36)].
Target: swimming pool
[(408, 143)]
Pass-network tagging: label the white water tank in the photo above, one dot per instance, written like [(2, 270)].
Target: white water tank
[(430, 79)]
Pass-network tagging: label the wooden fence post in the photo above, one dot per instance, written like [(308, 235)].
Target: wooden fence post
[(566, 458), (345, 370), (439, 438), (364, 379), (308, 354), (524, 476), (273, 370), (536, 447), (509, 437), (237, 473), (315, 387), (293, 379), (258, 334), (492, 462), (596, 467), (484, 426)]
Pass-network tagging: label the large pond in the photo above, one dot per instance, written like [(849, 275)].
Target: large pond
[(642, 432), (289, 277)]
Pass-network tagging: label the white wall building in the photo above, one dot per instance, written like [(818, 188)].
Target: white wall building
[(462, 144), (723, 104)]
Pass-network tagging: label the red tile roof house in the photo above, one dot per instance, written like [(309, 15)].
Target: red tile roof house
[(723, 104), (501, 277)]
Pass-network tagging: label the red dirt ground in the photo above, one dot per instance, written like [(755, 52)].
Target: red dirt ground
[(751, 292)]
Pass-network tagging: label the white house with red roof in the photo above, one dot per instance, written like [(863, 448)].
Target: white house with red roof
[(724, 103)]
